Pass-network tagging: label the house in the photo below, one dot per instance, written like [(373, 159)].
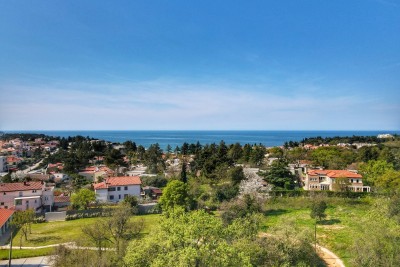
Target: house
[(61, 202), (115, 189), (26, 195), (152, 192), (93, 173), (334, 180), (5, 220)]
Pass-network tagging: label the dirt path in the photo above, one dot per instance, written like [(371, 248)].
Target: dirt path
[(329, 257)]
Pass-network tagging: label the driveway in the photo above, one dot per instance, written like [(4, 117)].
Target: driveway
[(27, 262)]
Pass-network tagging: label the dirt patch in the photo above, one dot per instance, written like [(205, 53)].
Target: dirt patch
[(329, 257)]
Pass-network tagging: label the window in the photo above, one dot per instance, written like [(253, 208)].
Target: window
[(33, 191), (18, 202), (2, 204), (119, 196), (20, 194), (111, 197), (125, 188), (118, 188), (4, 193), (111, 189), (35, 201)]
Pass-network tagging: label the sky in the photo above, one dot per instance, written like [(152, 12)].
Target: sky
[(200, 65)]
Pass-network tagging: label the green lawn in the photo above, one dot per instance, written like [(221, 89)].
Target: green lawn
[(25, 253), (336, 232), (69, 231)]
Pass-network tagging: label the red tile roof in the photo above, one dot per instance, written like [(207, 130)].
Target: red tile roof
[(118, 181), (58, 199), (335, 173), (5, 214), (9, 187)]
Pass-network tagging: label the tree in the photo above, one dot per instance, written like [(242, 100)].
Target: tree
[(191, 239), (83, 198), (279, 175), (22, 220), (389, 181), (153, 159), (175, 194), (183, 173), (236, 175), (98, 234), (121, 228), (257, 155), (318, 208), (374, 169), (132, 201), (113, 158), (341, 184), (169, 149)]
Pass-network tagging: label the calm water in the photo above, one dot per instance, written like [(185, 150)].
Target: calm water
[(177, 138)]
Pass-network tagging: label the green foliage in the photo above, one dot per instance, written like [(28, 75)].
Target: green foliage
[(226, 192), (374, 169), (156, 181), (389, 181), (257, 155), (175, 195), (329, 158), (279, 175), (236, 175), (318, 208), (153, 159), (132, 201), (378, 243), (189, 239), (240, 208), (113, 158), (22, 220), (83, 198)]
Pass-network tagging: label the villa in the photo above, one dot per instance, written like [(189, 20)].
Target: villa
[(334, 180)]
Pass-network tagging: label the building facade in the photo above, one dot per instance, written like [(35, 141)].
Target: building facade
[(334, 180), (26, 195), (115, 189)]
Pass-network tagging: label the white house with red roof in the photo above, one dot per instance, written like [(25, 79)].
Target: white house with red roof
[(115, 189), (5, 220), (26, 195), (326, 179)]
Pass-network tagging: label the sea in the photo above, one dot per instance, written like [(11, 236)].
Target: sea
[(177, 138)]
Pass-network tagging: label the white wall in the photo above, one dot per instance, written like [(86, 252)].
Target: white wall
[(103, 195)]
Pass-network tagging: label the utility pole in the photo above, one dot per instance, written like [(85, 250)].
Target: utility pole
[(10, 252), (315, 235)]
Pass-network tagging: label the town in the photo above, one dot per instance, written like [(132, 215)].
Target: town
[(64, 179)]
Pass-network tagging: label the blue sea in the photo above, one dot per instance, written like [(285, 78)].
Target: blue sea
[(177, 138)]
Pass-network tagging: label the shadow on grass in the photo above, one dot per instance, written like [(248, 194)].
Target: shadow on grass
[(329, 222), (43, 239), (275, 212)]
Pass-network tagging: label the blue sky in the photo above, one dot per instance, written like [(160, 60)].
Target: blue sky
[(200, 65)]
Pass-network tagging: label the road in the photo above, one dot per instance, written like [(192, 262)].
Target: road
[(42, 261)]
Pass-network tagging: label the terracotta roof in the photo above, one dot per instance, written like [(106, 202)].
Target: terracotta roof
[(5, 214), (58, 199), (118, 181), (9, 187), (335, 173)]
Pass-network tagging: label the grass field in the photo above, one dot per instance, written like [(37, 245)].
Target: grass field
[(68, 231), (25, 253), (336, 232)]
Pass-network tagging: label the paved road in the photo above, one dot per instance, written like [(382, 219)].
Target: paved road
[(28, 262)]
